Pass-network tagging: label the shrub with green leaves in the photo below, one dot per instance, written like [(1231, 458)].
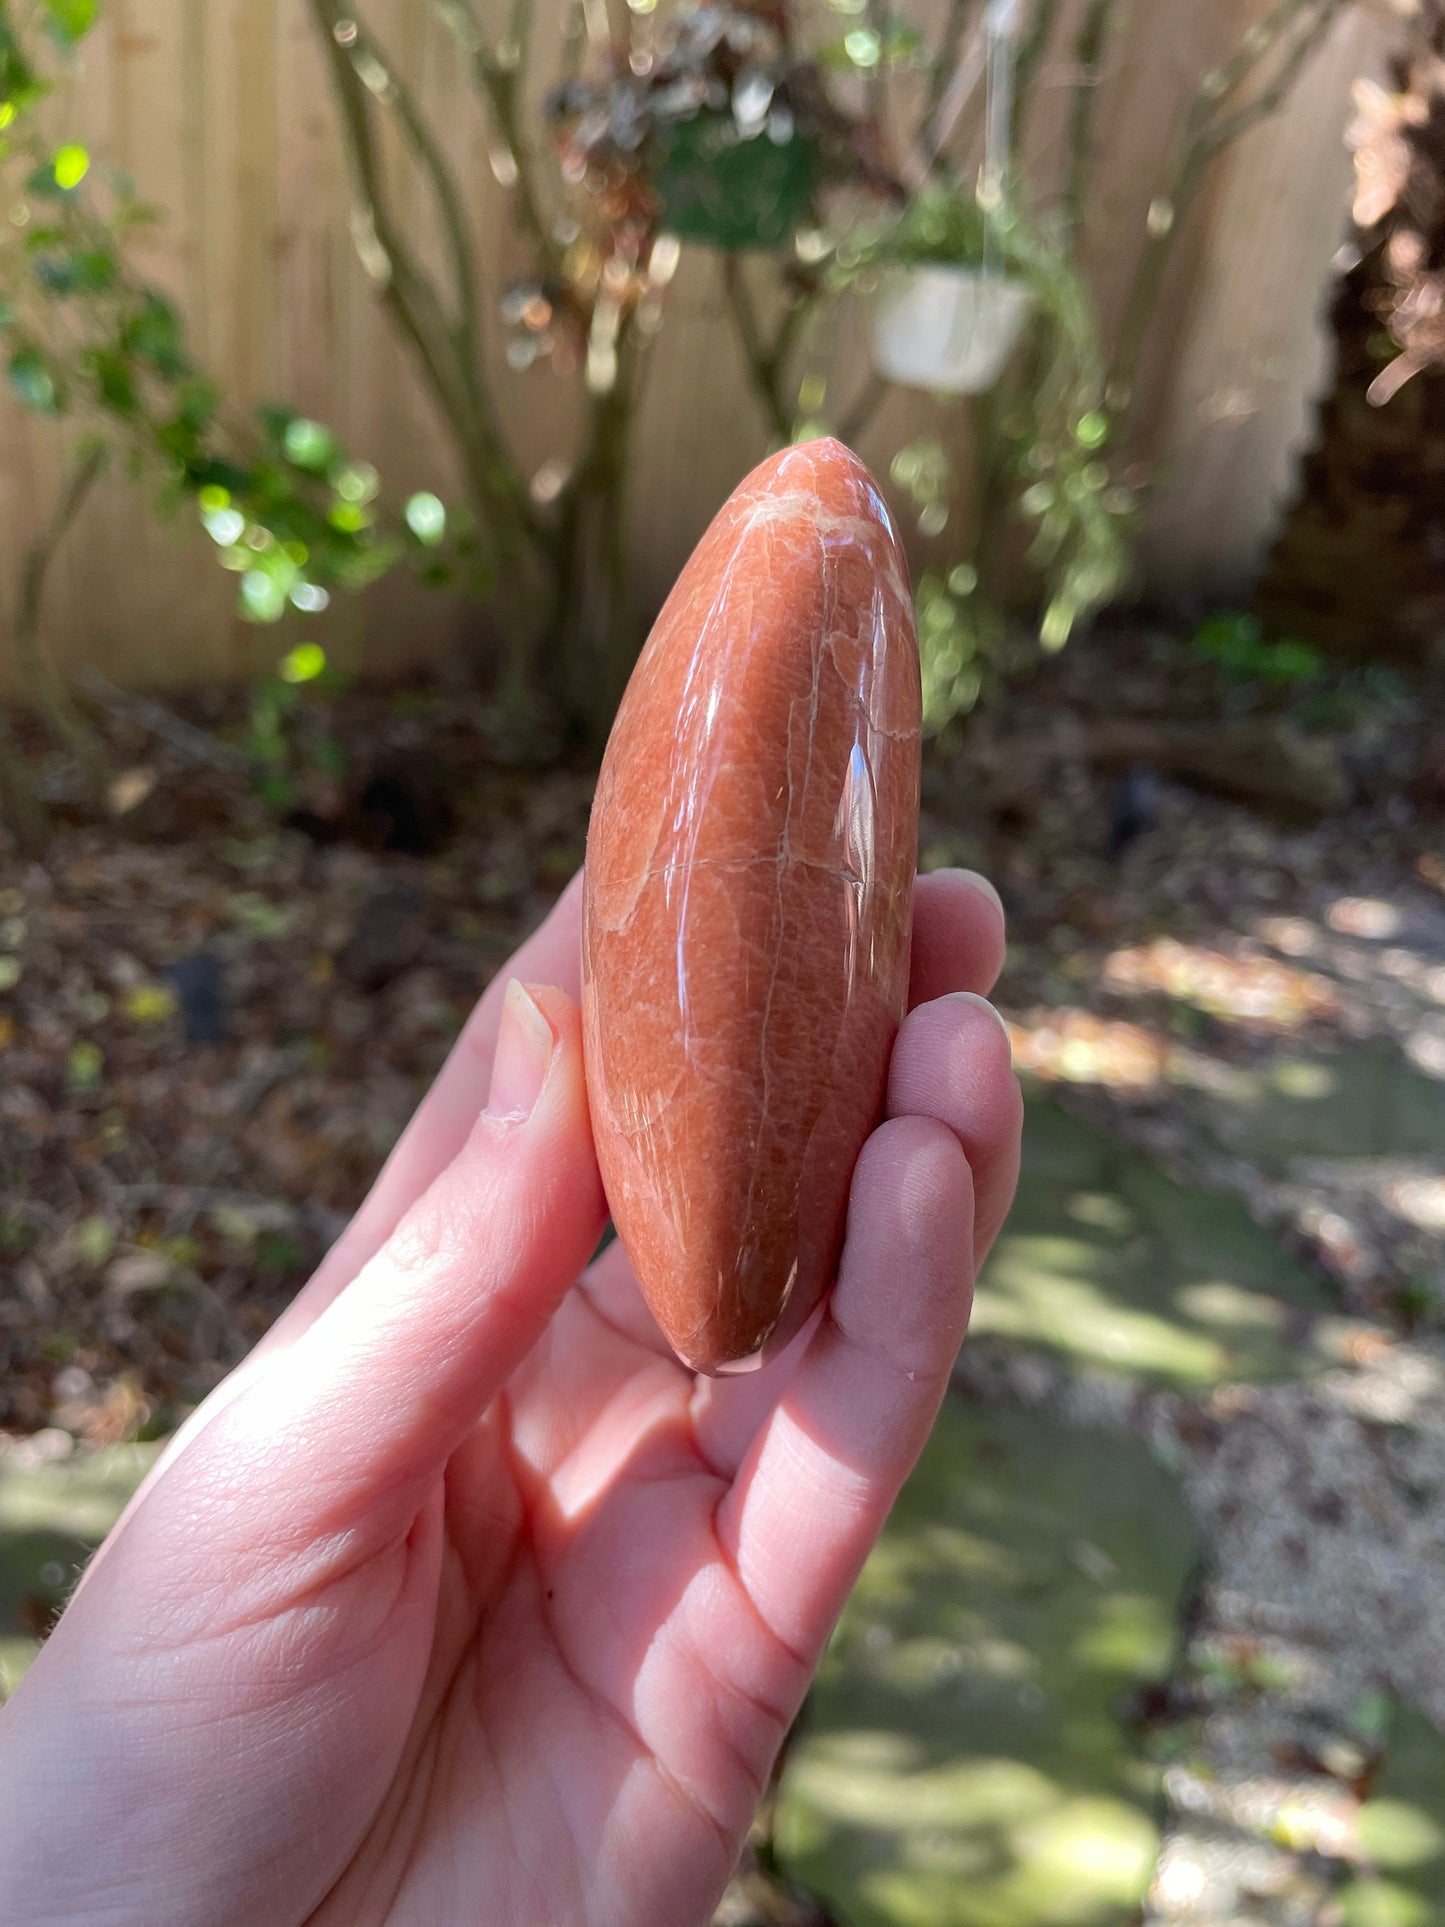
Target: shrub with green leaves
[(89, 343), (1239, 648)]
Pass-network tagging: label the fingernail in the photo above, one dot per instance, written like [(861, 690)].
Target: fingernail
[(982, 883), (522, 1058), (982, 1003)]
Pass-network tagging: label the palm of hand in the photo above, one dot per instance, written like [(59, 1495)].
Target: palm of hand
[(583, 1723), (461, 1600)]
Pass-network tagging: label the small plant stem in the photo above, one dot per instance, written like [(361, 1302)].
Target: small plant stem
[(1093, 36), (1029, 64), (763, 362), (40, 679), (496, 74), (853, 424), (20, 807), (445, 343)]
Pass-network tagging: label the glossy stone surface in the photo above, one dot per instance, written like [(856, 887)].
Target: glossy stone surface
[(749, 902)]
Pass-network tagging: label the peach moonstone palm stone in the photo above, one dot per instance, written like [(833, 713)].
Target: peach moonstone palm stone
[(748, 904)]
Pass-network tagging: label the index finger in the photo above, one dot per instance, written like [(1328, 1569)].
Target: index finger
[(442, 1121)]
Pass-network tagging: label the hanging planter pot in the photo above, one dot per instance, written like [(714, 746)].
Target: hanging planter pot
[(727, 191), (946, 328)]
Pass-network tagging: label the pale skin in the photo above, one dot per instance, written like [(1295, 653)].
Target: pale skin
[(461, 1601)]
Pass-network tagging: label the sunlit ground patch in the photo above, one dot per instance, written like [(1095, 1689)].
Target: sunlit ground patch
[(1107, 1262), (1400, 1834), (1257, 993), (962, 1761), (53, 1514)]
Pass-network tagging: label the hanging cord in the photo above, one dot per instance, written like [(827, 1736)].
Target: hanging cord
[(1001, 24), (1001, 27)]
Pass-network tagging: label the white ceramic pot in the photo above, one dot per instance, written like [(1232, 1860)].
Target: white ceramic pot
[(950, 330)]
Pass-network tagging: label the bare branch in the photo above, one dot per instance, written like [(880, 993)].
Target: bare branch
[(496, 75), (1208, 130), (42, 681), (380, 78), (1032, 49), (197, 745), (444, 345), (761, 371), (962, 85), (944, 60), (855, 420), (1232, 127), (1089, 47)]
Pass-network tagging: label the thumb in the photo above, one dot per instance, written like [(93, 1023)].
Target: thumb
[(378, 1393)]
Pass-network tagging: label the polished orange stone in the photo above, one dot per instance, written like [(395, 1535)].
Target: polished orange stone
[(748, 904)]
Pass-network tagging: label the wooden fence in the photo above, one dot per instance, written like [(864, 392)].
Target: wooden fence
[(220, 110)]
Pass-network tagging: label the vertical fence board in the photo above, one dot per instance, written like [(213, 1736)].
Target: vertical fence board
[(1252, 350)]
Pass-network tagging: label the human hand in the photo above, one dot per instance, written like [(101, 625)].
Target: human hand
[(461, 1600)]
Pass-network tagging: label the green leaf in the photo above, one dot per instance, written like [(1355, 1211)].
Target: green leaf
[(21, 88), (223, 524), (225, 475), (115, 383), (56, 178), (199, 400), (85, 1066), (304, 663), (92, 1240), (70, 165), (154, 336), (358, 484), (1092, 430), (31, 381), (150, 1003), (309, 446), (862, 47), (89, 271), (426, 517), (265, 590), (70, 20)]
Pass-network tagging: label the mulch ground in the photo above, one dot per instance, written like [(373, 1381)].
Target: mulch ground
[(213, 1022)]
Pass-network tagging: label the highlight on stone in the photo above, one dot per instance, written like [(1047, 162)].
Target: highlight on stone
[(748, 905)]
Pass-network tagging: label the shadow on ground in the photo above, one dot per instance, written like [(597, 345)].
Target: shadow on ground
[(1106, 1262), (1402, 1831), (963, 1761)]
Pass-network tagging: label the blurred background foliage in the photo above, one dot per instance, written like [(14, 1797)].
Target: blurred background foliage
[(845, 151), (1158, 1630)]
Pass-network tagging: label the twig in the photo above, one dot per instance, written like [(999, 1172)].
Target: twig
[(1093, 34), (20, 806), (381, 79), (1234, 126), (967, 72), (196, 744), (944, 61), (441, 342), (855, 420), (495, 74), (186, 1197), (42, 681), (761, 372), (1032, 48), (879, 16)]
